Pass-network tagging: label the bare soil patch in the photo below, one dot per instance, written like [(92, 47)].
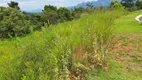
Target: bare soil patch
[(127, 50)]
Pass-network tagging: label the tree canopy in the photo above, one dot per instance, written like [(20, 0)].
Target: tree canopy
[(14, 4), (12, 23)]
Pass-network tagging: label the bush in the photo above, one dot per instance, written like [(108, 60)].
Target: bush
[(12, 23), (117, 6)]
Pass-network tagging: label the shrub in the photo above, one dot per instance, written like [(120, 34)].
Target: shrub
[(12, 23), (117, 6)]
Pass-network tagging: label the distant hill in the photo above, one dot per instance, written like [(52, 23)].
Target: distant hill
[(83, 4), (95, 3), (35, 11)]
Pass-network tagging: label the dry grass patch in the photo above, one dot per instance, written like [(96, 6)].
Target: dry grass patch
[(127, 51)]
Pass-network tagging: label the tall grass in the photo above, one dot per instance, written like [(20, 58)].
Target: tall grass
[(65, 51)]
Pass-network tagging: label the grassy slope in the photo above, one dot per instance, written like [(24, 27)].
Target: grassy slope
[(126, 56), (9, 50), (68, 33), (128, 24)]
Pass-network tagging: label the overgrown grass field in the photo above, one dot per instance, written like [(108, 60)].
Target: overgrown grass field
[(64, 51), (126, 55)]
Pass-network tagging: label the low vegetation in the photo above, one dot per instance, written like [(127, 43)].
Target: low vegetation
[(62, 44), (65, 51), (125, 54)]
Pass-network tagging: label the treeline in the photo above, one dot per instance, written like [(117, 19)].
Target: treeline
[(130, 5), (14, 22)]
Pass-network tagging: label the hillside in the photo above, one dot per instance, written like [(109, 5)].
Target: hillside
[(57, 52), (126, 54), (102, 45), (93, 43)]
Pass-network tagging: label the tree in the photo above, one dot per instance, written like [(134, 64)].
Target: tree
[(117, 6), (139, 4), (14, 4), (64, 14), (112, 3), (78, 11), (12, 23), (50, 7), (49, 15), (128, 3), (35, 20)]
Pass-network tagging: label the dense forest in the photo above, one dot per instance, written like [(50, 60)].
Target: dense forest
[(70, 44)]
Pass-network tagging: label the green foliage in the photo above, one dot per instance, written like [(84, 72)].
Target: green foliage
[(100, 37), (117, 6), (35, 20), (12, 23), (65, 14), (49, 16), (52, 15), (132, 5), (14, 4), (50, 54), (139, 4), (50, 7), (129, 4), (60, 51), (37, 62)]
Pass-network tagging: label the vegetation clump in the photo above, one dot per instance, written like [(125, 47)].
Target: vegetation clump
[(13, 23)]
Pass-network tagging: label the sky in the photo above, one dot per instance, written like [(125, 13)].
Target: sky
[(39, 4)]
